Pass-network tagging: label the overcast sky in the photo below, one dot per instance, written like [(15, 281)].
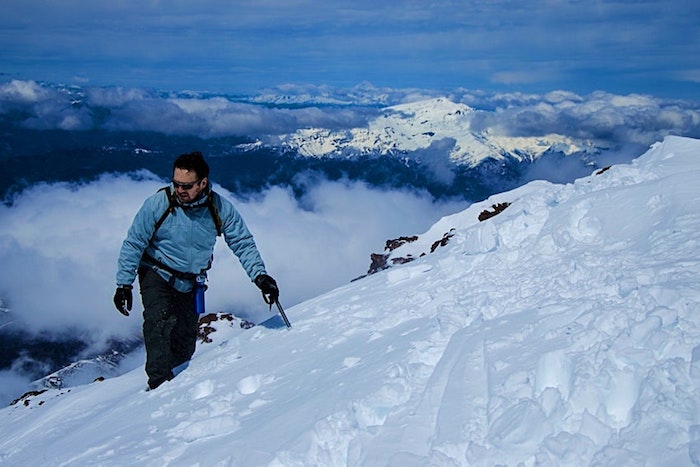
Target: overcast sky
[(617, 46)]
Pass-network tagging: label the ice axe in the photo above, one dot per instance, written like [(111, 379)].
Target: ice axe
[(284, 317), (270, 300)]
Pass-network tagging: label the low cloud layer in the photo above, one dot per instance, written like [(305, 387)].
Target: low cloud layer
[(59, 245), (603, 118)]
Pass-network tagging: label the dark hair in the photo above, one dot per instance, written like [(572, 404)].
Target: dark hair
[(192, 161)]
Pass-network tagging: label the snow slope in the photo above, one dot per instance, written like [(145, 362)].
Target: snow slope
[(421, 125), (563, 331)]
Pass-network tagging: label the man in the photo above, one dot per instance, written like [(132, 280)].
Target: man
[(169, 244)]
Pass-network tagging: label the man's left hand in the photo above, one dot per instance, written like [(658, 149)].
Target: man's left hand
[(269, 289)]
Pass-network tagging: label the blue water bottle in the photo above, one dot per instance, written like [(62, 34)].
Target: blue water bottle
[(199, 288)]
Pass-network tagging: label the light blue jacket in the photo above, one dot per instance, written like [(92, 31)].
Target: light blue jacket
[(185, 240)]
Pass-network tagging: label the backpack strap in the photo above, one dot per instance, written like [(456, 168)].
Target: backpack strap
[(172, 204), (214, 213), (170, 210)]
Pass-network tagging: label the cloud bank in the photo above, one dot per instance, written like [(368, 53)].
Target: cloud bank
[(59, 245), (603, 118)]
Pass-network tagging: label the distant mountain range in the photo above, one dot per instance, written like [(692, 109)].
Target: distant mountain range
[(430, 125)]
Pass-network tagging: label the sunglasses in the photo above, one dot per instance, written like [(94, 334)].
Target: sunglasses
[(185, 186)]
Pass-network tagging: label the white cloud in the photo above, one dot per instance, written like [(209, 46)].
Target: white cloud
[(59, 244), (603, 117), (115, 96), (22, 92), (213, 116)]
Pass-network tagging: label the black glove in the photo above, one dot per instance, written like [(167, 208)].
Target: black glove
[(123, 299), (269, 289)]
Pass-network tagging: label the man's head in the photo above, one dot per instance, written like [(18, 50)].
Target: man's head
[(190, 176)]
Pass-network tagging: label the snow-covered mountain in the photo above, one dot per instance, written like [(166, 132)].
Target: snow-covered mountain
[(548, 325), (435, 123)]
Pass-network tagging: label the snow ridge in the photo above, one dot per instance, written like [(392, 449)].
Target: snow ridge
[(565, 330)]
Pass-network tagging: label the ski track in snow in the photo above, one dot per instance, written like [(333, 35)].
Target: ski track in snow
[(564, 331)]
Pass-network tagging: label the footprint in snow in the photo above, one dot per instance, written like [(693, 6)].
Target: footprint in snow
[(249, 384), (202, 389)]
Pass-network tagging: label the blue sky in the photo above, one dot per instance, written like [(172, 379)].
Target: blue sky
[(617, 46)]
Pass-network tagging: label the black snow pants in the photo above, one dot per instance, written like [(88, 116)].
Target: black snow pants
[(169, 326)]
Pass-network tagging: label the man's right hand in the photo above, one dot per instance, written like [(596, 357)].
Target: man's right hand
[(123, 299)]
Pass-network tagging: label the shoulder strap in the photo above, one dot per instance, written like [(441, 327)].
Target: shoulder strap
[(171, 208), (214, 212)]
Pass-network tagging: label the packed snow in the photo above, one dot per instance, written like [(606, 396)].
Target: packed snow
[(564, 330)]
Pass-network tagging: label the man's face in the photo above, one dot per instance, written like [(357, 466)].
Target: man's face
[(187, 185)]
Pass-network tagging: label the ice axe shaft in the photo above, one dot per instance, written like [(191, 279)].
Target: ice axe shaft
[(284, 316)]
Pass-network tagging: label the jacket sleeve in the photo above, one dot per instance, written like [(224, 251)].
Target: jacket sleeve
[(139, 236), (239, 239)]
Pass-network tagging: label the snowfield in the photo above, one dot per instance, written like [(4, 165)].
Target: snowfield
[(564, 330)]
